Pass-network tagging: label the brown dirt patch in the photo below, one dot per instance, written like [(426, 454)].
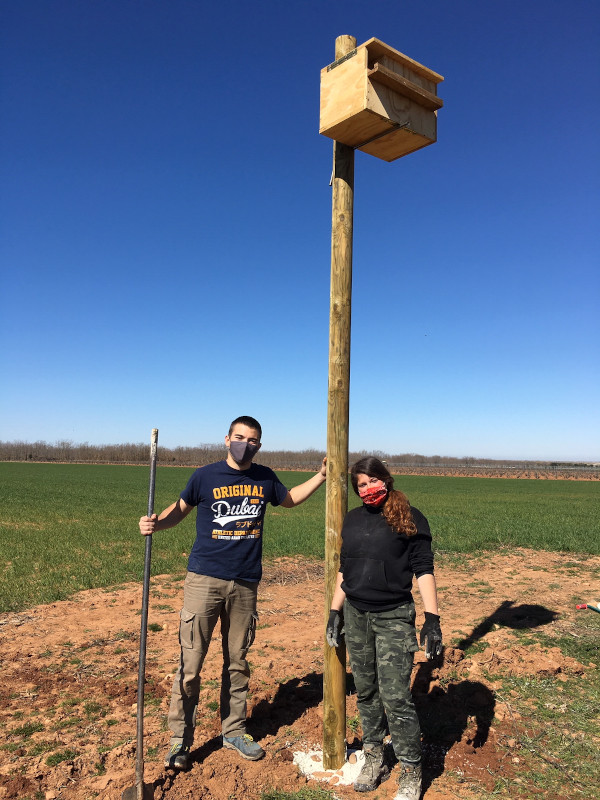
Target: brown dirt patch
[(69, 678)]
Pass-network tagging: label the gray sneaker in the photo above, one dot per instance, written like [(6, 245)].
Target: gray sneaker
[(178, 755), (375, 769), (409, 782), (245, 746)]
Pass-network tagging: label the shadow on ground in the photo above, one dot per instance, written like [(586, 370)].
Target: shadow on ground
[(291, 700), (446, 713), (507, 615)]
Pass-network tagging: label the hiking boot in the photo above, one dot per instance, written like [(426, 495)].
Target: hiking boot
[(409, 782), (374, 771), (178, 755), (245, 746)]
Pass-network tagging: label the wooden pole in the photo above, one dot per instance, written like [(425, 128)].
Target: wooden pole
[(334, 669)]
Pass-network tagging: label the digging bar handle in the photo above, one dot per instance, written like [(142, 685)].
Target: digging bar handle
[(139, 754)]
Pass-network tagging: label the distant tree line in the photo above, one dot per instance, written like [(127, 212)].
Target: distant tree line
[(68, 452)]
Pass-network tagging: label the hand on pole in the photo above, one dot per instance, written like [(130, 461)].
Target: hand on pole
[(148, 525), (335, 629)]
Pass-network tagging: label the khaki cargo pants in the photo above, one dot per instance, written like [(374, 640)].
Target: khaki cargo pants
[(206, 600)]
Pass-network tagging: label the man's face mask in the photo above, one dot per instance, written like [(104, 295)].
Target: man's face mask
[(241, 452)]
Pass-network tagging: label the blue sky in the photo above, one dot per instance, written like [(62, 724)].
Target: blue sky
[(166, 224)]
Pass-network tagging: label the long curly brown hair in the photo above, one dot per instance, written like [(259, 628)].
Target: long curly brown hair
[(396, 508)]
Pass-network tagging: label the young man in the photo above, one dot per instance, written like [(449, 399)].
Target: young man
[(224, 569)]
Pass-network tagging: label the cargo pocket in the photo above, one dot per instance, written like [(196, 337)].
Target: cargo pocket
[(186, 629), (400, 625), (251, 632)]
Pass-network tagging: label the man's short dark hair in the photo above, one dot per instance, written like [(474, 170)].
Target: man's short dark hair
[(250, 422)]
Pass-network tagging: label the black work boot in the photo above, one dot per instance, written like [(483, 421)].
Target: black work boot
[(375, 769)]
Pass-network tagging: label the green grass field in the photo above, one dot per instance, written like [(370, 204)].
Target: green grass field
[(69, 527)]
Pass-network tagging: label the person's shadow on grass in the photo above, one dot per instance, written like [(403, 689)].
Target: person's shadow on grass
[(508, 615)]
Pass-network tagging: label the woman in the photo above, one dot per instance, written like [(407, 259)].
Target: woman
[(384, 543)]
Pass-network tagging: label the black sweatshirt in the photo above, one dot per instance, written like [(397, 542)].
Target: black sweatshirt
[(377, 563)]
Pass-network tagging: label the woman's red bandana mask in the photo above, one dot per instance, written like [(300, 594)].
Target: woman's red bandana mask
[(374, 495)]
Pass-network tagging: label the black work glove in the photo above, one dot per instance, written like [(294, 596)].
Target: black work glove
[(334, 630), (431, 635)]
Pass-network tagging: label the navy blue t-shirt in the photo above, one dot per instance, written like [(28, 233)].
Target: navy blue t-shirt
[(231, 509)]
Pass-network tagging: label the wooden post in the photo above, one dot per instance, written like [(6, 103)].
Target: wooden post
[(334, 668)]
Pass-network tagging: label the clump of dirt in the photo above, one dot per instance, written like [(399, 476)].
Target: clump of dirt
[(69, 681)]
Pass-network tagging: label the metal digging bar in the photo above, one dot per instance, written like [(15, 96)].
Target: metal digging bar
[(141, 790)]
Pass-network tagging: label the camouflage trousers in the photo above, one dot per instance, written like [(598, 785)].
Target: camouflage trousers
[(381, 645)]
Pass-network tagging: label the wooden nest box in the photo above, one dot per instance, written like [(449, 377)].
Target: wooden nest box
[(380, 101)]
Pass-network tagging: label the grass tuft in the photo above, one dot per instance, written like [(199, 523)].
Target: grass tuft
[(60, 756), (29, 728), (303, 794)]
